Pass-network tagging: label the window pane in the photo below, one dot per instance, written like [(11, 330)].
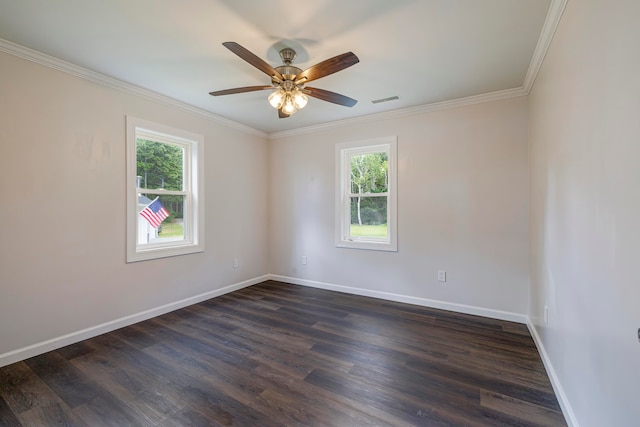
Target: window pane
[(369, 217), (370, 173), (159, 165), (160, 220)]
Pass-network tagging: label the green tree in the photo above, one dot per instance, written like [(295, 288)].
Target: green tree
[(369, 174), (159, 165)]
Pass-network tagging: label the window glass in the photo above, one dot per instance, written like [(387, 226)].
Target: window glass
[(164, 193), (365, 194), (159, 165), (369, 217)]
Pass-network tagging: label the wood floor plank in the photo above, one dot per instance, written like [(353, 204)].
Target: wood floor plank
[(75, 350), (145, 376), (53, 413), (202, 397), (30, 400), (69, 384), (372, 396), (521, 409), (149, 406), (277, 354), (7, 416), (187, 417), (481, 380), (302, 392), (260, 391), (19, 387)]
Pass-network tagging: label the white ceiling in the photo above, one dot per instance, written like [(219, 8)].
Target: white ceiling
[(423, 51)]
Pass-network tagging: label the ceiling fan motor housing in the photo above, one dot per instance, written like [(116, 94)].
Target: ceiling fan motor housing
[(289, 73), (287, 55)]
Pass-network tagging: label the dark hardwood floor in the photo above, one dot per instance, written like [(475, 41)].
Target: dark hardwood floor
[(276, 354)]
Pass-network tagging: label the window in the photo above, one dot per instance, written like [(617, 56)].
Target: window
[(165, 203), (366, 195)]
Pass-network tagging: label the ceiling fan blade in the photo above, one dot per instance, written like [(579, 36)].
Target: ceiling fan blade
[(239, 90), (330, 66), (282, 114), (328, 96), (252, 59)]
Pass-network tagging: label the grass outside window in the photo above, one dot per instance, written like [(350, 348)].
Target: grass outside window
[(172, 229), (369, 230)]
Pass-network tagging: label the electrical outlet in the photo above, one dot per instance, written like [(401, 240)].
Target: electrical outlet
[(236, 263), (442, 276), (638, 334), (304, 260)]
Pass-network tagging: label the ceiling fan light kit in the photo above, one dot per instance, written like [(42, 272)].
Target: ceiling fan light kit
[(291, 94), (288, 101)]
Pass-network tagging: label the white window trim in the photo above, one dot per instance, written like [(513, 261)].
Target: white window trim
[(343, 206), (194, 202)]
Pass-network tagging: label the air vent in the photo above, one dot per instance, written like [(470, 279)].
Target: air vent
[(378, 101)]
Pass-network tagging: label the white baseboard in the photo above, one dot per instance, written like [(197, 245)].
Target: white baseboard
[(567, 411), (55, 343), (425, 302)]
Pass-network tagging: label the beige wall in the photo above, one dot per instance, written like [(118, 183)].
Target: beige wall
[(585, 209), (62, 181), (462, 207)]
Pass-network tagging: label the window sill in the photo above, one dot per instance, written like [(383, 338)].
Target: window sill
[(163, 252), (370, 246)]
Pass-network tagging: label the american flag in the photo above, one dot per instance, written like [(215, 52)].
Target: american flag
[(154, 213)]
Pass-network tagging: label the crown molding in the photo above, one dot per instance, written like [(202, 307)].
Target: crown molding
[(113, 83), (554, 14), (420, 109)]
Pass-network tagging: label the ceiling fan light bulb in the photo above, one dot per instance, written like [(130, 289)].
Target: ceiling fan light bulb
[(300, 100), (276, 99), (289, 106)]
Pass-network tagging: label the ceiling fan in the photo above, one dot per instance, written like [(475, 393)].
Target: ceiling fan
[(289, 82)]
